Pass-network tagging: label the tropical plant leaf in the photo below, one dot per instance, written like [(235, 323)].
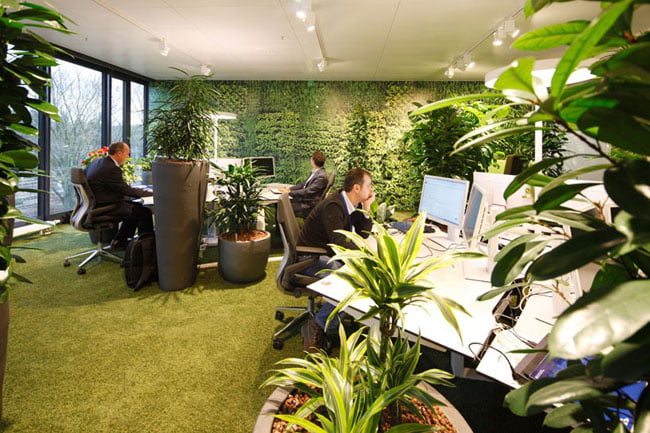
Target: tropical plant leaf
[(628, 184), (522, 178), (565, 416), (456, 100), (519, 77), (600, 319)]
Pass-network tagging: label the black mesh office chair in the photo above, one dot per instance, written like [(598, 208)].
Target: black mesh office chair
[(330, 182), (89, 218), (289, 279)]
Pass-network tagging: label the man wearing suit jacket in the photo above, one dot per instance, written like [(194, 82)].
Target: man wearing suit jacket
[(305, 195), (338, 211), (105, 179)]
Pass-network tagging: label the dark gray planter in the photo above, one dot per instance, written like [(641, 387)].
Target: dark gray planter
[(264, 421), (179, 199), (244, 262)]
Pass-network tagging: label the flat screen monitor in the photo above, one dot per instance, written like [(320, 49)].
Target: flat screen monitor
[(476, 215), (443, 200), (264, 166)]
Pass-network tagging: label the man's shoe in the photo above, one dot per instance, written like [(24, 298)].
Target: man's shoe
[(313, 337)]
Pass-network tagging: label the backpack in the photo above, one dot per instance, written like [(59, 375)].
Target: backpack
[(140, 266)]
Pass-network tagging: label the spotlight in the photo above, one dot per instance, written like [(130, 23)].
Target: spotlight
[(449, 73), (499, 35), (459, 64), (163, 48), (467, 60), (301, 14), (310, 21), (510, 28), (321, 65), (205, 70)]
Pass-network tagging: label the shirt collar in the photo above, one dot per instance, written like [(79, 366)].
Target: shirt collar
[(348, 204), (114, 161)]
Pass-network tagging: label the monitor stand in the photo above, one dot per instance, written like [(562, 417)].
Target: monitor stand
[(481, 269)]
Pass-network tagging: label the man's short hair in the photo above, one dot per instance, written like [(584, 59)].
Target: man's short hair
[(354, 177), (319, 158), (116, 147)]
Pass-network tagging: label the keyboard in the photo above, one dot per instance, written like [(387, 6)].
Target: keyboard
[(405, 226)]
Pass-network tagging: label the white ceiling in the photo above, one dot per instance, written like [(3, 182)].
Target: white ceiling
[(263, 40)]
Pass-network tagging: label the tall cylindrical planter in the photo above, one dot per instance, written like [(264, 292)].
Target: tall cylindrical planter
[(244, 261), (179, 199)]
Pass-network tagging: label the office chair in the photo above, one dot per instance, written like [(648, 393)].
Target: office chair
[(330, 182), (289, 279), (88, 218)]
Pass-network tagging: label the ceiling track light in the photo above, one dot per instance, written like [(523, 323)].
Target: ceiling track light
[(449, 73), (310, 21), (499, 35), (467, 60), (322, 65), (304, 7), (163, 48), (510, 28), (205, 70)]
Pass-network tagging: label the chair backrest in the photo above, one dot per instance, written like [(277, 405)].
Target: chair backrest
[(85, 198), (289, 228), (330, 182)]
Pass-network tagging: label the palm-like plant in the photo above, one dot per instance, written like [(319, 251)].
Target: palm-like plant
[(390, 277)]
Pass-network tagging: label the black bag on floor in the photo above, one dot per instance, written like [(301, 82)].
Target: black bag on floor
[(140, 266)]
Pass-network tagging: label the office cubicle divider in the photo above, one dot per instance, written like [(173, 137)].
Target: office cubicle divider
[(179, 198)]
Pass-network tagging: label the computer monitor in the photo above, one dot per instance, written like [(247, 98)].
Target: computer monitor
[(476, 216), (443, 199), (264, 166), (495, 184)]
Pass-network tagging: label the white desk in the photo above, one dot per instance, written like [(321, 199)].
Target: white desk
[(427, 321)]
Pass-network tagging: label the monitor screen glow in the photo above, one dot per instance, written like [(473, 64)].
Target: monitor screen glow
[(476, 212), (443, 200), (264, 165)]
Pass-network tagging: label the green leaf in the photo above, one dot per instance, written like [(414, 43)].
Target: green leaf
[(23, 129), (22, 159), (575, 253), (551, 36), (522, 178), (518, 400), (451, 101), (600, 319), (583, 43), (565, 391), (629, 359), (628, 184), (515, 259), (45, 107), (565, 416), (606, 124), (633, 62), (552, 198), (518, 77)]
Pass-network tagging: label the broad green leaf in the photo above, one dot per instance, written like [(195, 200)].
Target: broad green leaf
[(412, 428), (565, 416), (610, 275), (628, 184), (494, 136), (573, 174), (46, 108), (23, 159), (518, 77), (565, 391), (522, 178), (629, 359), (600, 319), (513, 263), (583, 43), (606, 124), (23, 129), (575, 253), (451, 101), (554, 197), (634, 61), (551, 36), (518, 400)]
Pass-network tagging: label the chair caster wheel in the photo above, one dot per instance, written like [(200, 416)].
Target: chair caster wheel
[(279, 315), (81, 271), (66, 263), (278, 344)]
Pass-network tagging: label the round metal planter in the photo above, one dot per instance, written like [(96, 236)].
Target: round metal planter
[(179, 199), (244, 262)]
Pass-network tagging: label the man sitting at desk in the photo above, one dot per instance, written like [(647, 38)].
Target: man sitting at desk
[(305, 195), (105, 179), (337, 212)]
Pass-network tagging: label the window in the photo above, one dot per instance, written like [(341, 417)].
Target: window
[(137, 120), (77, 93), (117, 110)]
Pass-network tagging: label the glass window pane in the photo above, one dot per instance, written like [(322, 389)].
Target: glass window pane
[(117, 107), (137, 120), (27, 202), (77, 93)]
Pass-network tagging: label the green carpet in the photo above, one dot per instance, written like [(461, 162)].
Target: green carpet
[(87, 354)]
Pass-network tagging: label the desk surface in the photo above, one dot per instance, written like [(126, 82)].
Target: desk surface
[(427, 319)]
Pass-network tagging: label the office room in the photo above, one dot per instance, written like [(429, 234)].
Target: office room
[(324, 216)]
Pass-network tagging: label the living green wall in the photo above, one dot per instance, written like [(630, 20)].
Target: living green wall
[(354, 123)]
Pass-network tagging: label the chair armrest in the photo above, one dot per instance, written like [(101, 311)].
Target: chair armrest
[(311, 250)]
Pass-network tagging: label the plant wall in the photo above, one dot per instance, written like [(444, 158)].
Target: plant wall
[(353, 123)]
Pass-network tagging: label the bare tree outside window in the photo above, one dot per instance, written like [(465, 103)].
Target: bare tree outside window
[(77, 92)]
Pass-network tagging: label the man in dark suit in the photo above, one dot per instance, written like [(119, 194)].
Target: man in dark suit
[(306, 194), (105, 179), (339, 211)]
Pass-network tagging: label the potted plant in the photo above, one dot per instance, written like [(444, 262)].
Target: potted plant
[(243, 250), (181, 131), (605, 333), (23, 57), (373, 377), (145, 168)]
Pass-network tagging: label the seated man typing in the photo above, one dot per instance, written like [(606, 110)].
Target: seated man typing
[(337, 212), (305, 195), (105, 179)]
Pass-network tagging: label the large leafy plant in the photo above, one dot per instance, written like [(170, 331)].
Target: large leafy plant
[(182, 126), (23, 86), (605, 334), (237, 203)]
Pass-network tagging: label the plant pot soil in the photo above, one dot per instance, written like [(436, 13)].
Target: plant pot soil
[(285, 401)]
